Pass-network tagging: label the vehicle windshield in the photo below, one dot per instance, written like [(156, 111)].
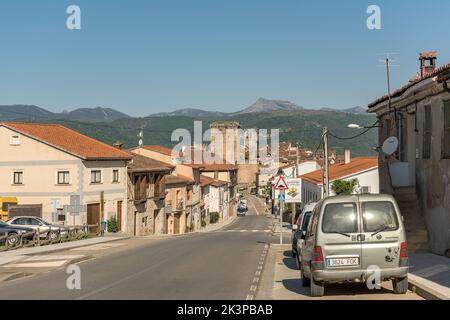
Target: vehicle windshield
[(43, 221), (2, 223), (379, 216), (340, 218), (306, 221)]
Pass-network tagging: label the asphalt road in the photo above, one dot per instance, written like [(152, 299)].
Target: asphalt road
[(216, 265)]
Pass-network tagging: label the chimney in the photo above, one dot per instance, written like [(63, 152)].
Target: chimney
[(118, 145), (427, 63), (347, 157)]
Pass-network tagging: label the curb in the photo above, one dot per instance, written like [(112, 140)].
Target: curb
[(426, 289)]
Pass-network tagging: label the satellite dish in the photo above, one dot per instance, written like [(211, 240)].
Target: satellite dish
[(390, 146)]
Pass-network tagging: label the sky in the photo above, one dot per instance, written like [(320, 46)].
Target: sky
[(143, 57)]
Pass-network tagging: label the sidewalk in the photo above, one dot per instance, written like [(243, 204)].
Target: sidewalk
[(430, 275), (14, 255)]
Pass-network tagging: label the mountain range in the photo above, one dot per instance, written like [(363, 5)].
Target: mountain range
[(296, 124)]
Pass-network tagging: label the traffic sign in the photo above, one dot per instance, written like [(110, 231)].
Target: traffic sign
[(281, 197), (281, 184)]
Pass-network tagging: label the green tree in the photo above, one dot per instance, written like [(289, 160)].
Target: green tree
[(343, 187)]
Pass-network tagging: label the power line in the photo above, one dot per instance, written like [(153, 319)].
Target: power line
[(356, 136)]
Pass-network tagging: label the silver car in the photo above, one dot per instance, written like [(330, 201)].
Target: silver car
[(47, 230), (349, 237)]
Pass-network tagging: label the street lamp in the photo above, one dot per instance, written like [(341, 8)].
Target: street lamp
[(357, 126)]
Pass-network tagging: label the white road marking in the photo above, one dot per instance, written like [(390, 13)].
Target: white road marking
[(253, 288), (250, 297), (257, 273), (47, 264), (255, 279)]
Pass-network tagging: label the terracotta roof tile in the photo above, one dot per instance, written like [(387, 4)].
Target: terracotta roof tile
[(339, 171), (207, 181), (144, 164), (179, 179), (68, 140)]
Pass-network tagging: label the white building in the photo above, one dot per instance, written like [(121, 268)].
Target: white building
[(365, 169), (45, 164)]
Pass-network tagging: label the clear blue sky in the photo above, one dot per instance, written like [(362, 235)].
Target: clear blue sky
[(143, 57)]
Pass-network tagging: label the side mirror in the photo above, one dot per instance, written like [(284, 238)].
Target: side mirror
[(294, 227)]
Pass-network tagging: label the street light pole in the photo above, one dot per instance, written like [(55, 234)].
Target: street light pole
[(326, 175)]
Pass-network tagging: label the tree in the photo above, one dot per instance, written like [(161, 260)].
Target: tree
[(343, 187)]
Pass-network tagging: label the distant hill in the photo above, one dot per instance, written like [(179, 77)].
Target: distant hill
[(35, 113), (354, 110), (266, 105), (95, 114), (191, 112)]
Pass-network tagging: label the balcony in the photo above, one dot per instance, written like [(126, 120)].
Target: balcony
[(179, 206)]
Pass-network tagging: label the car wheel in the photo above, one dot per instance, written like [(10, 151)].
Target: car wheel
[(306, 282), (317, 288), (12, 241), (52, 235), (400, 285)]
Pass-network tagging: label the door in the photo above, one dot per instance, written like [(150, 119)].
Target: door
[(340, 237), (119, 215), (382, 234), (93, 215), (176, 223)]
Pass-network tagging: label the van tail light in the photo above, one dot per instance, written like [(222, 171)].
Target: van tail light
[(404, 251), (318, 255)]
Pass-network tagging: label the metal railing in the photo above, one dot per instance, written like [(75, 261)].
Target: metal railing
[(48, 236)]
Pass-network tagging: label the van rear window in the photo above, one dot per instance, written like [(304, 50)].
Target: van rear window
[(340, 218), (378, 216)]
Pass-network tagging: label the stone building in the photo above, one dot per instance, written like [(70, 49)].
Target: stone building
[(418, 173)]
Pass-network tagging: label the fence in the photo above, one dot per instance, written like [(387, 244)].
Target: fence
[(48, 236)]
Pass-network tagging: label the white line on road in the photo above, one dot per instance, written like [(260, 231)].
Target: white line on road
[(250, 297), (253, 288)]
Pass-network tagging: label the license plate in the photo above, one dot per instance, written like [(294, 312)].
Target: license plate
[(342, 262)]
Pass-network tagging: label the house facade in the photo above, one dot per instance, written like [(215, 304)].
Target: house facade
[(365, 169), (418, 116), (46, 164), (146, 197)]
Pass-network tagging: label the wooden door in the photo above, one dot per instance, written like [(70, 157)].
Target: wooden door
[(176, 223), (93, 215), (119, 215)]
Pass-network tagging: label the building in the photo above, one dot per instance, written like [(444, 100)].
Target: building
[(45, 164), (146, 196), (178, 221), (418, 172), (365, 169), (216, 198)]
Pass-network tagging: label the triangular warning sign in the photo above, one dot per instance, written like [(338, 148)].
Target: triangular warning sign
[(281, 184)]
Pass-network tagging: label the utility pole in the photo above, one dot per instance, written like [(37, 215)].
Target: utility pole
[(326, 174)]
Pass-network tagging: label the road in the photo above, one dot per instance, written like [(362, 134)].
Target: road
[(216, 265), (232, 263)]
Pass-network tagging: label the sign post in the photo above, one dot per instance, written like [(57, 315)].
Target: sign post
[(281, 186)]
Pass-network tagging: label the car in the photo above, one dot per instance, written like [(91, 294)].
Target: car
[(47, 230), (9, 230), (299, 229), (348, 236), (242, 211)]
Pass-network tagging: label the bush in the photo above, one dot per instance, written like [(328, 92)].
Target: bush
[(214, 217), (342, 187), (203, 223), (113, 225)]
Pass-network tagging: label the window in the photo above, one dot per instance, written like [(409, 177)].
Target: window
[(306, 221), (426, 152), (5, 205), (115, 176), (18, 178), (15, 140), (61, 217), (63, 177), (446, 142), (340, 218), (378, 215), (365, 189), (96, 176)]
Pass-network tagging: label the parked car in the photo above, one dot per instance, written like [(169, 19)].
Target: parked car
[(349, 235), (299, 229), (243, 203), (9, 230), (254, 191), (49, 231)]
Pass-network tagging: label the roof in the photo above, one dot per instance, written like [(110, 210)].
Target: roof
[(68, 140), (402, 90), (203, 166), (208, 181), (179, 179), (143, 164), (339, 171)]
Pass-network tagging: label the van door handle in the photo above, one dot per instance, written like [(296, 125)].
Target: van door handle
[(361, 237)]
